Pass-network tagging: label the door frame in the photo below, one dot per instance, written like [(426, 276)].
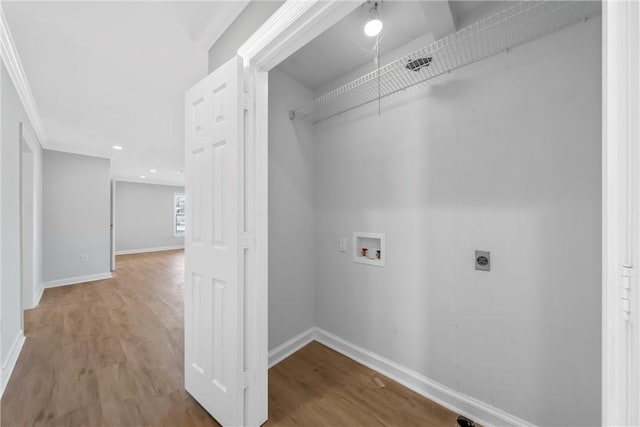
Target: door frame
[(112, 228), (292, 26), (620, 213), (36, 220), (296, 23), (25, 149)]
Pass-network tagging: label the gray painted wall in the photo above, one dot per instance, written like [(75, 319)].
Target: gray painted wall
[(291, 213), (505, 156), (251, 18), (76, 206), (144, 216), (12, 114)]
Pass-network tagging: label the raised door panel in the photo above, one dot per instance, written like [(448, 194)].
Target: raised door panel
[(214, 282)]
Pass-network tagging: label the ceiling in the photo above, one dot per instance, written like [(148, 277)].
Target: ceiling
[(113, 73), (344, 47)]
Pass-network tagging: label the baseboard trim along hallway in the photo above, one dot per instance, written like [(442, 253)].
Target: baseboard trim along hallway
[(143, 251), (12, 359), (75, 280), (474, 409)]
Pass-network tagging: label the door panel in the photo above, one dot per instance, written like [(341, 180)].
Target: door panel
[(214, 282)]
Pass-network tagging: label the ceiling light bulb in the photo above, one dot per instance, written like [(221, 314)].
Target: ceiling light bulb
[(142, 176), (117, 147), (152, 170), (373, 27)]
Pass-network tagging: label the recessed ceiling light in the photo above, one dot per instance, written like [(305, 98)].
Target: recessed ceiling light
[(142, 176), (153, 170), (116, 147)]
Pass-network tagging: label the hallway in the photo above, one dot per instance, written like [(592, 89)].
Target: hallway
[(109, 353)]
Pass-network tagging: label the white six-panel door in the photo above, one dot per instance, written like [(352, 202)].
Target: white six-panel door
[(214, 282)]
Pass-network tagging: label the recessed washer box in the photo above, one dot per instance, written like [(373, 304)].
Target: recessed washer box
[(368, 248)]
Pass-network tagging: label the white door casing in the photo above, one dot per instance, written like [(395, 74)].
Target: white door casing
[(621, 214), (214, 260), (112, 228), (292, 26)]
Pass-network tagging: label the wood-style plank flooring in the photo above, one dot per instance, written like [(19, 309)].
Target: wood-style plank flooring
[(110, 353)]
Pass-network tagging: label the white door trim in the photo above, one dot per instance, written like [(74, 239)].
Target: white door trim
[(291, 27), (112, 231), (620, 214), (32, 143)]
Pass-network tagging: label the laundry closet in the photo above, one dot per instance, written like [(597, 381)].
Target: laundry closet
[(435, 201)]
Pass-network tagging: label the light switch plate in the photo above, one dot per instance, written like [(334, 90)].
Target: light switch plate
[(342, 244), (483, 260)]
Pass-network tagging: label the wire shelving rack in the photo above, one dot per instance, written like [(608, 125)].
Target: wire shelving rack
[(513, 26)]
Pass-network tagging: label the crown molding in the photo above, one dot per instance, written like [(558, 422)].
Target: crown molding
[(11, 59), (217, 24)]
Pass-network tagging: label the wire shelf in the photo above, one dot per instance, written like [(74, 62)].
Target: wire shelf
[(515, 25)]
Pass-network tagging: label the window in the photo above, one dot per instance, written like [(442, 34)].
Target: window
[(178, 214)]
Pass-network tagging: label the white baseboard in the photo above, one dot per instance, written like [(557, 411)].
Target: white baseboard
[(157, 249), (12, 359), (76, 280), (38, 295), (459, 403), (289, 347)]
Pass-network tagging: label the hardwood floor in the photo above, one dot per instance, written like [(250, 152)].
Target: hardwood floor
[(110, 353), (318, 386)]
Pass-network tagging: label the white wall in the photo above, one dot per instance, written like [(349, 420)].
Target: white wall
[(10, 187), (76, 207), (503, 156), (251, 18), (291, 213), (13, 114), (144, 216)]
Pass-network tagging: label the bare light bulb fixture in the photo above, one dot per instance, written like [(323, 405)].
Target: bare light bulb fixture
[(373, 27)]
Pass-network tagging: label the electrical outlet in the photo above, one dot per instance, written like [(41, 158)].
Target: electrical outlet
[(342, 244), (84, 258)]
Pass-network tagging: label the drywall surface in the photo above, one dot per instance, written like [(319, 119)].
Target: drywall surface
[(251, 18), (291, 213), (502, 156), (10, 187), (144, 216), (13, 114), (76, 206)]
